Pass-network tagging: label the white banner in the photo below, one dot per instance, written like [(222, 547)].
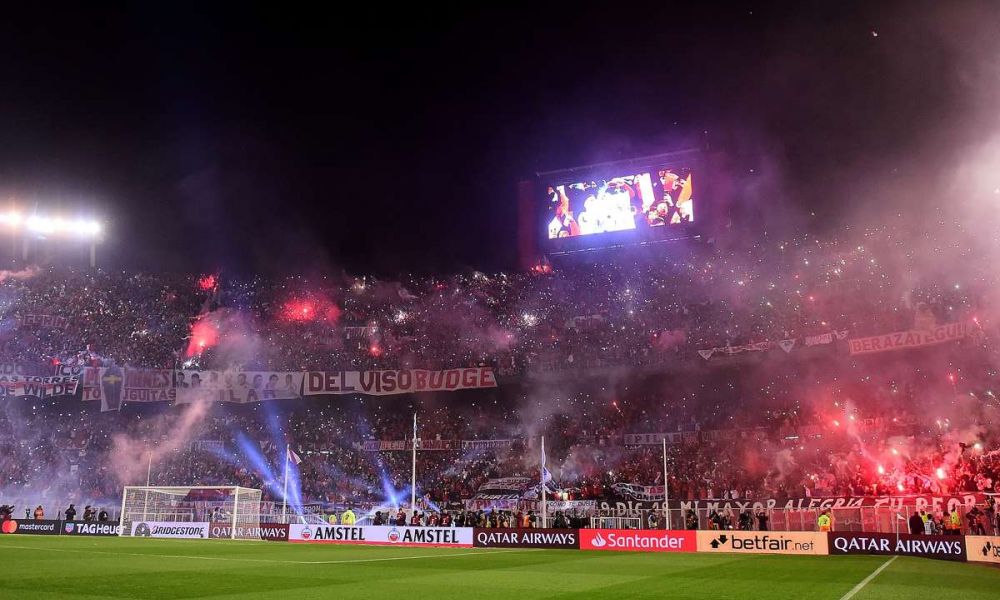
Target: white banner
[(240, 387), (383, 383), (656, 439), (90, 378), (382, 535), (486, 444), (170, 529), (816, 340), (12, 369), (148, 385), (900, 340), (731, 350), (16, 386), (400, 445), (352, 332), (638, 492), (787, 345), (49, 321)]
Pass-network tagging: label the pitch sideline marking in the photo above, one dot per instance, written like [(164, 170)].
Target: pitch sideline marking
[(867, 580), (267, 560)]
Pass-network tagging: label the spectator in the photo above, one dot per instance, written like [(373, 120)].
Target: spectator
[(975, 521), (762, 520), (560, 522), (955, 522), (916, 524), (825, 522)]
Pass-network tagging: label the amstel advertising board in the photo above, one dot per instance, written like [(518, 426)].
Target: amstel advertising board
[(383, 536)]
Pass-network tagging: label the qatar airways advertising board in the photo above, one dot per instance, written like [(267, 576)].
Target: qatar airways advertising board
[(944, 547)]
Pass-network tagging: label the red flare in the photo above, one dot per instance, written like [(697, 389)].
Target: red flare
[(204, 334), (207, 282)]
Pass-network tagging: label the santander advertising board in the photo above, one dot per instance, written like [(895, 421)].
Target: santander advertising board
[(638, 540)]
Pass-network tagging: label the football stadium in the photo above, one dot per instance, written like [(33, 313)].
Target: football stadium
[(664, 302)]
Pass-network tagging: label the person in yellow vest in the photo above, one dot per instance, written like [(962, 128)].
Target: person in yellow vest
[(332, 519), (348, 518), (824, 521), (955, 521)]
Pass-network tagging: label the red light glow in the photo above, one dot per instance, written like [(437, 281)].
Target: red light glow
[(207, 283), (309, 309), (204, 334)]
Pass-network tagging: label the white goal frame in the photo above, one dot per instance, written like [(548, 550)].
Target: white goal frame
[(249, 499)]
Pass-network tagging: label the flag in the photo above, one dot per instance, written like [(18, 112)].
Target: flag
[(111, 388), (546, 476), (292, 456)]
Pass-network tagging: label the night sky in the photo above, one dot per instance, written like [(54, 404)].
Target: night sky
[(386, 141)]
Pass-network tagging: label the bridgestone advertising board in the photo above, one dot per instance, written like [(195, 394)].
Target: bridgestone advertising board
[(170, 529)]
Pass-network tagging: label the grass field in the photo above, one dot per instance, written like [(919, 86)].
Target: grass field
[(90, 567)]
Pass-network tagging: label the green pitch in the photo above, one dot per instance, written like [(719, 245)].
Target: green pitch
[(41, 568)]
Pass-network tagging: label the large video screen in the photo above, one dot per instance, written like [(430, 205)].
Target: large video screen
[(651, 201)]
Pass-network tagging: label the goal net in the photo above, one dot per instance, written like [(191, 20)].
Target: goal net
[(191, 511)]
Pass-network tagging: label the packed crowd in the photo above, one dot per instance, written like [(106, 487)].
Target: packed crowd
[(874, 444), (632, 309), (822, 425)]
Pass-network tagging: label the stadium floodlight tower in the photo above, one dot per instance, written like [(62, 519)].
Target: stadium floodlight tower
[(37, 227), (232, 506)]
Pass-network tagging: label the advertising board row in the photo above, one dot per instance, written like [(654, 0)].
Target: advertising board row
[(160, 529), (52, 527), (959, 548), (955, 548), (271, 532)]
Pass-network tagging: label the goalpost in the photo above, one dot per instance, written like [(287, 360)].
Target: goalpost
[(234, 510)]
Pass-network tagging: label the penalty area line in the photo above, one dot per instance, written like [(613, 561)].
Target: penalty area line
[(867, 580), (481, 552)]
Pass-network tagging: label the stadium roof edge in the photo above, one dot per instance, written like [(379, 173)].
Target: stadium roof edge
[(638, 160)]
